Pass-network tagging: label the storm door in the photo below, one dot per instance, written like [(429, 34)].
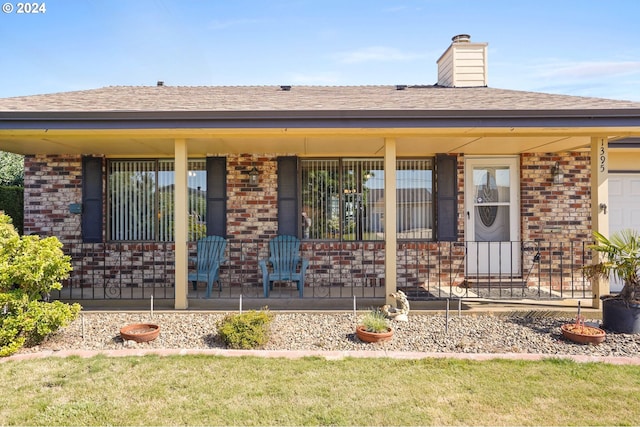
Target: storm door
[(492, 216)]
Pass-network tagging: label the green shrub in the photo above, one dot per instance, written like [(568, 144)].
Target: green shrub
[(35, 265), (7, 231), (245, 331), (25, 322), (30, 268)]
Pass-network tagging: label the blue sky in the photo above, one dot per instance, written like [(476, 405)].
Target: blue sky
[(573, 47)]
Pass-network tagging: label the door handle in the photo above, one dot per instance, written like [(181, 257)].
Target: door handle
[(603, 207)]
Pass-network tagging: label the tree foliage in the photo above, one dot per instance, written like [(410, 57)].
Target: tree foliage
[(11, 169), (12, 203)]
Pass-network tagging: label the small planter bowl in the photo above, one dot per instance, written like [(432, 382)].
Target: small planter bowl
[(140, 332), (583, 334), (373, 337)]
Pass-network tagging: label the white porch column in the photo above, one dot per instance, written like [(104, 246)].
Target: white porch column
[(181, 223), (599, 206), (390, 238)]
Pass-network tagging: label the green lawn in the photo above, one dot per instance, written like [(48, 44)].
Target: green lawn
[(207, 390)]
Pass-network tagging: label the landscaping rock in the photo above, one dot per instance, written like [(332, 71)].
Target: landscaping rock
[(336, 332)]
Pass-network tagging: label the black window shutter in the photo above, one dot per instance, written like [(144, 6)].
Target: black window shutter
[(92, 199), (447, 198), (288, 215), (217, 196)]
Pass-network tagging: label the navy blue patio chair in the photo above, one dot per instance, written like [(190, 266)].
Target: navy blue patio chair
[(210, 256), (284, 264)]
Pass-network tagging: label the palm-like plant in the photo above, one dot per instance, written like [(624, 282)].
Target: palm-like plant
[(621, 257)]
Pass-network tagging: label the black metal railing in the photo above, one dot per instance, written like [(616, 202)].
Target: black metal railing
[(425, 270)]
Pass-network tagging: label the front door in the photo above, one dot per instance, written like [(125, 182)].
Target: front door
[(491, 216)]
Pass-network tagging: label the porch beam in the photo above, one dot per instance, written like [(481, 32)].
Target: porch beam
[(390, 237), (599, 208), (181, 224)]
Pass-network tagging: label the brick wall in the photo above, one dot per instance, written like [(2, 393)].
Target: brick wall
[(252, 212), (252, 215), (548, 212), (557, 214), (51, 184), (555, 211)]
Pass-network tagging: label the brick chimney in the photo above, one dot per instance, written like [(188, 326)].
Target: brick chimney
[(463, 64)]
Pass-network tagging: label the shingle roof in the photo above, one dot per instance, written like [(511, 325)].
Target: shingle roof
[(302, 98)]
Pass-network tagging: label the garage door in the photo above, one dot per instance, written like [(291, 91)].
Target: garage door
[(624, 205), (624, 201)]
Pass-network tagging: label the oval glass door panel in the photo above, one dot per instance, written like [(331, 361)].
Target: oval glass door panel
[(491, 203), (492, 226)]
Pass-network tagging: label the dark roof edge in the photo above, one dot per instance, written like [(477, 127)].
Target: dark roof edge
[(291, 114), (318, 119), (632, 142)]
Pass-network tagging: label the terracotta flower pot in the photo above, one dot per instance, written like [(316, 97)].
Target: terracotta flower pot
[(366, 336), (583, 334), (140, 332)]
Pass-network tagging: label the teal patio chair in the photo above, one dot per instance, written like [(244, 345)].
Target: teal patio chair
[(284, 264), (210, 256)]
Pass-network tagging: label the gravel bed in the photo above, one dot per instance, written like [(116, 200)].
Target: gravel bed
[(530, 332)]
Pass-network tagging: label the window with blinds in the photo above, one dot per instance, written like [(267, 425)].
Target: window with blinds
[(414, 199), (321, 187), (142, 199), (343, 199)]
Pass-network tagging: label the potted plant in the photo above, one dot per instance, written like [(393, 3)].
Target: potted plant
[(582, 333), (620, 258), (374, 327)]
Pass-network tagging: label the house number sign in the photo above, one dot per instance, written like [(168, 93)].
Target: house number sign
[(603, 157)]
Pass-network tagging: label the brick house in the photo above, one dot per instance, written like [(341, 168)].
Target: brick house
[(483, 187)]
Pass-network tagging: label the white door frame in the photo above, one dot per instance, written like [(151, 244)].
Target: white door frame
[(493, 258)]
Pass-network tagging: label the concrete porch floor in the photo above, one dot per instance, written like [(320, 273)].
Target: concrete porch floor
[(316, 299)]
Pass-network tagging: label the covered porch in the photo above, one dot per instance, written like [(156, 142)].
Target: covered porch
[(549, 222)]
